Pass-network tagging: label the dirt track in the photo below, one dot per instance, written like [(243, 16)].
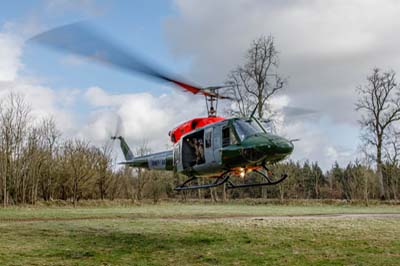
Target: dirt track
[(335, 216), (205, 217)]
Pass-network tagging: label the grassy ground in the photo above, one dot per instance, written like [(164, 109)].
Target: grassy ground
[(183, 234)]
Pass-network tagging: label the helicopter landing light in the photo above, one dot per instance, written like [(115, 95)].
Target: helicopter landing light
[(242, 172)]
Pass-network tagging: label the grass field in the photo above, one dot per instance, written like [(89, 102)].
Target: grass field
[(200, 234)]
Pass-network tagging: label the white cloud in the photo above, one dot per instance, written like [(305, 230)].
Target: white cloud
[(316, 144), (43, 101), (326, 47), (10, 55), (144, 116)]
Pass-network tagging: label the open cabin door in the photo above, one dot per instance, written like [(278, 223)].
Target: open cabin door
[(212, 141), (199, 151), (192, 150)]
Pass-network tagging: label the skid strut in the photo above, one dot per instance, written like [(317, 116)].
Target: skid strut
[(224, 178), (218, 181)]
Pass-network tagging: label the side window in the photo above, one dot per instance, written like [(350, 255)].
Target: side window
[(207, 139)]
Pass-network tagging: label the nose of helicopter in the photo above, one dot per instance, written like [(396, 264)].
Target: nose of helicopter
[(283, 146), (268, 146)]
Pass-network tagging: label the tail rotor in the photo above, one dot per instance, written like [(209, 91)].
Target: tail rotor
[(116, 132)]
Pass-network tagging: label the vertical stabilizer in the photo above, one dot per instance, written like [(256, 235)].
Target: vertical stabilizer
[(125, 148)]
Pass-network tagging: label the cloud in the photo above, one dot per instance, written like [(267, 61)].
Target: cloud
[(326, 47), (145, 117), (318, 140), (315, 144), (43, 101), (10, 54)]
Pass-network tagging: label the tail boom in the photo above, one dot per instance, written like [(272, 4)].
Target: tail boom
[(159, 161)]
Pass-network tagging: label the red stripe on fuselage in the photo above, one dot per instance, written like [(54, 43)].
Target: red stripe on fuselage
[(191, 125)]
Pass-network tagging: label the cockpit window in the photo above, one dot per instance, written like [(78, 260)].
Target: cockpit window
[(245, 128)]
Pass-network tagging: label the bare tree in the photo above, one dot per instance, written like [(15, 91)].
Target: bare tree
[(379, 102), (391, 168), (392, 150), (49, 138), (257, 80), (14, 117), (142, 176), (103, 163), (79, 161)]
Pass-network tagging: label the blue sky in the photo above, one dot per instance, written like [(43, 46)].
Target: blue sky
[(134, 24), (326, 49)]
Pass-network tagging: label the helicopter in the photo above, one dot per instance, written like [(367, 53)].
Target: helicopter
[(205, 147)]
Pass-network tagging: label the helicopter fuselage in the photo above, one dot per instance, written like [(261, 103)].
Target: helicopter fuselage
[(235, 145)]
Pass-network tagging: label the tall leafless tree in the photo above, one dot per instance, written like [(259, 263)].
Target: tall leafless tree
[(14, 117), (379, 102), (257, 80), (49, 144), (392, 165)]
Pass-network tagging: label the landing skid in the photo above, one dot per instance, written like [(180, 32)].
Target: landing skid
[(224, 178)]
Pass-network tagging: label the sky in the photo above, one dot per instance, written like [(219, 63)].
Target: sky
[(326, 49)]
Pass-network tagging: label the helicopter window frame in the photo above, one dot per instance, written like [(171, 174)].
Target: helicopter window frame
[(207, 139), (243, 131), (229, 136), (177, 153), (260, 124)]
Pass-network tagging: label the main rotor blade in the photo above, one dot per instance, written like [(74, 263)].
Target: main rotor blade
[(294, 111), (81, 39)]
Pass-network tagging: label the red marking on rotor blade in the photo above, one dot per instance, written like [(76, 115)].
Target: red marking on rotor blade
[(187, 87)]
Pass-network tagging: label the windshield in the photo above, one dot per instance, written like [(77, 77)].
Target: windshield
[(245, 128)]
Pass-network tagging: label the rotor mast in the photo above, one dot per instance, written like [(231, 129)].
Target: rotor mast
[(212, 96), (212, 105)]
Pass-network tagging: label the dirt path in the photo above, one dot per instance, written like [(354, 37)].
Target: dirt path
[(211, 217), (333, 216)]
